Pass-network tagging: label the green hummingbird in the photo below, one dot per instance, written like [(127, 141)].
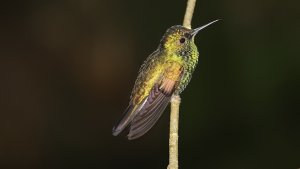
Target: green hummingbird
[(166, 72)]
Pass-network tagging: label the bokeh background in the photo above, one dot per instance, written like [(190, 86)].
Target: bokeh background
[(67, 69)]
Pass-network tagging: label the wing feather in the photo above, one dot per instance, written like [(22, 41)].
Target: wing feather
[(145, 119)]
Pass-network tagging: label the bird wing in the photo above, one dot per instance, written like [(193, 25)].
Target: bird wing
[(156, 102), (135, 103)]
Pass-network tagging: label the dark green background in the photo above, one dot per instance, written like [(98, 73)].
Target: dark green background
[(67, 69)]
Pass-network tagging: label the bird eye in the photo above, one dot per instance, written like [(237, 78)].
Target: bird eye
[(182, 40)]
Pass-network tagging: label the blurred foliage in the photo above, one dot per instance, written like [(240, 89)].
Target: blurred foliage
[(67, 69)]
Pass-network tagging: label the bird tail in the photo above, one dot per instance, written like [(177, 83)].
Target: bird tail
[(125, 120)]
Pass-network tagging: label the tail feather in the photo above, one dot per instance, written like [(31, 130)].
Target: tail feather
[(124, 121)]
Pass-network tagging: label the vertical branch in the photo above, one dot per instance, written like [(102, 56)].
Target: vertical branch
[(175, 101), (189, 13), (173, 138)]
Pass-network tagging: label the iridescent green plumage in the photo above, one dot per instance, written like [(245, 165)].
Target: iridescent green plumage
[(167, 71)]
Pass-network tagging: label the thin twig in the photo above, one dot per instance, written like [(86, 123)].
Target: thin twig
[(189, 13), (173, 138), (175, 101)]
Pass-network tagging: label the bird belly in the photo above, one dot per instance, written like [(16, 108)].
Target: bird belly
[(189, 68)]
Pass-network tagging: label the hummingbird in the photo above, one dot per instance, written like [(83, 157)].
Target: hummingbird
[(166, 72)]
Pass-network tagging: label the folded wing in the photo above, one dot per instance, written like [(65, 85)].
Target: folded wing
[(143, 117)]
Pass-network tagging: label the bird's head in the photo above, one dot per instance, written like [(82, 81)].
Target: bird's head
[(179, 39)]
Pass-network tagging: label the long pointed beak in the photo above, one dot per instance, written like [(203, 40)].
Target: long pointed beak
[(195, 31)]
